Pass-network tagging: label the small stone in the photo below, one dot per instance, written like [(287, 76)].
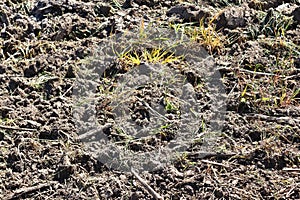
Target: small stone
[(32, 124), (188, 12), (70, 72), (136, 195), (1, 136), (231, 18), (189, 189), (30, 71), (4, 18), (123, 178), (103, 10), (296, 15)]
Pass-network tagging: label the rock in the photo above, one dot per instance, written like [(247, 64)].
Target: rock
[(297, 63), (135, 3), (136, 195), (2, 69), (70, 72), (4, 19), (231, 18), (265, 4), (286, 9), (82, 52), (188, 189), (31, 124), (1, 135), (30, 71), (102, 9), (290, 10), (45, 7), (188, 12), (296, 15), (149, 3)]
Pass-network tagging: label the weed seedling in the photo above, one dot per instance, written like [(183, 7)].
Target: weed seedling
[(156, 55)]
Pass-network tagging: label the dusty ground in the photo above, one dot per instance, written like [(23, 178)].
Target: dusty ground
[(255, 155)]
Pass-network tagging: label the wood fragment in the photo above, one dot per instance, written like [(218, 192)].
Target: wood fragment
[(147, 186), (291, 169), (279, 119), (207, 154), (15, 128), (214, 163), (68, 90), (25, 190), (284, 77)]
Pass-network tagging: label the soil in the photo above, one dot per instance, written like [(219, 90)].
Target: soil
[(254, 153)]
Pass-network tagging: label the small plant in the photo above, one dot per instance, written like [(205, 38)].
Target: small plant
[(170, 106), (287, 98), (257, 67), (130, 58), (6, 121), (165, 132), (271, 23), (275, 24), (206, 35), (155, 55), (277, 92), (116, 4), (184, 161)]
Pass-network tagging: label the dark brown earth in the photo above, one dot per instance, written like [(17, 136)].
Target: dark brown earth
[(45, 43)]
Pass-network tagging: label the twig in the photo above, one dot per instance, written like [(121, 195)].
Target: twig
[(17, 128), (207, 154), (292, 76), (10, 76), (214, 163), (26, 190), (291, 169), (258, 73), (68, 90), (231, 91), (291, 191), (273, 118), (147, 186)]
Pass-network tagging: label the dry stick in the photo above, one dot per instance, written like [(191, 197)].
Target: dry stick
[(231, 91), (149, 189), (17, 128), (207, 154), (26, 190), (260, 73), (291, 190), (291, 169), (273, 118), (214, 163), (10, 76), (68, 90)]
